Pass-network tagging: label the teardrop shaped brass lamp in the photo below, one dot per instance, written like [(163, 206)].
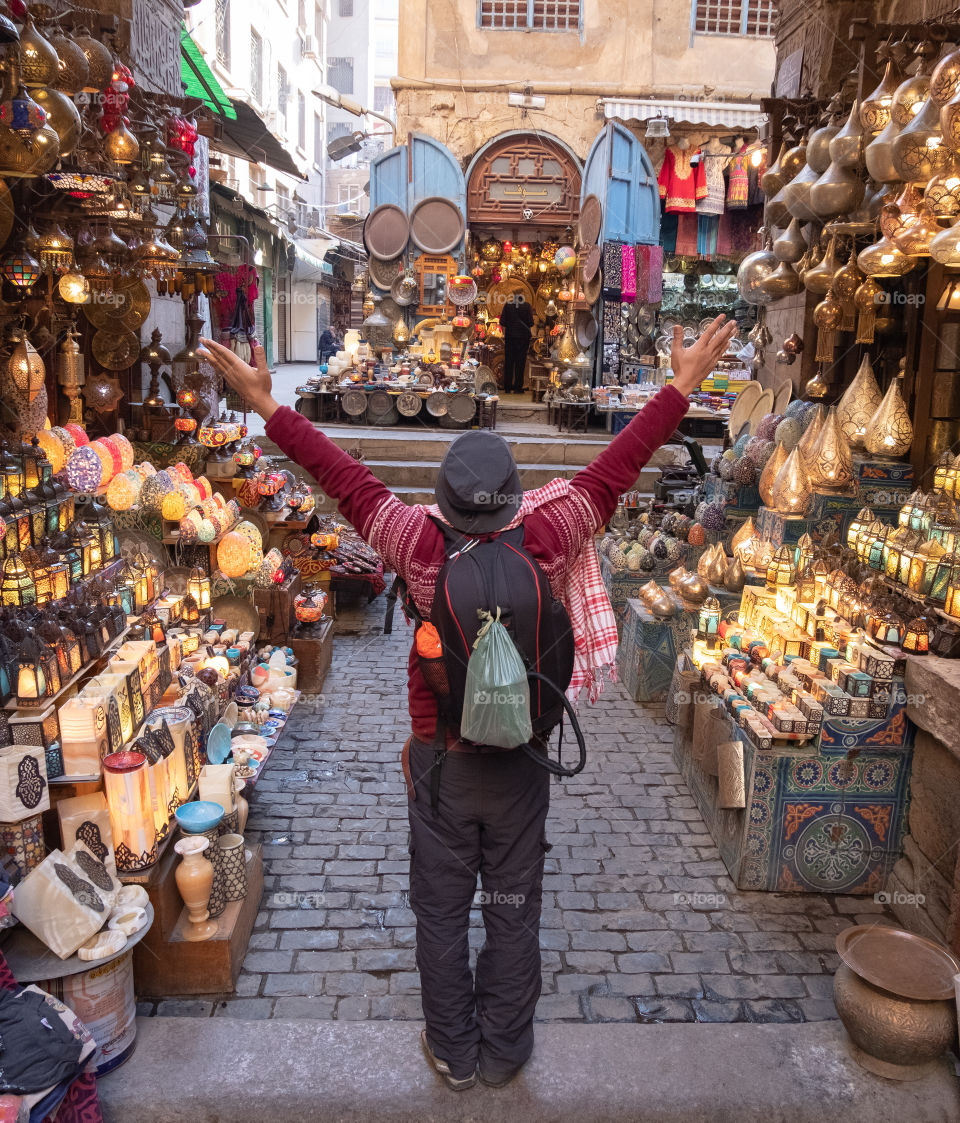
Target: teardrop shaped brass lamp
[(867, 300), (846, 148), (769, 474), (945, 80), (818, 147), (838, 191), (742, 536), (878, 155), (797, 195), (773, 180), (914, 238), (791, 488), (793, 160), (783, 281), (832, 466), (920, 151), (791, 245), (885, 259), (859, 403), (819, 278), (875, 108), (811, 436), (828, 316), (890, 431)]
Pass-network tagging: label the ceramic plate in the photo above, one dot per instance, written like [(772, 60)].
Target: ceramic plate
[(743, 407), (218, 743), (763, 406), (782, 397), (230, 715)]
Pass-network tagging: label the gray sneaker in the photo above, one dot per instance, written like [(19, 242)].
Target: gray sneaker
[(456, 1084)]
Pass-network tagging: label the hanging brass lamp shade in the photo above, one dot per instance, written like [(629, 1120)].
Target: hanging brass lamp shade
[(783, 281), (791, 488), (885, 259), (920, 151), (818, 147), (859, 403), (819, 278), (945, 79), (914, 238), (876, 106), (791, 245), (831, 468), (838, 191), (846, 148), (796, 195), (890, 431)]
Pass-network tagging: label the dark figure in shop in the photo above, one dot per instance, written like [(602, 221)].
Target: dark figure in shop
[(328, 344), (517, 323), (477, 811)]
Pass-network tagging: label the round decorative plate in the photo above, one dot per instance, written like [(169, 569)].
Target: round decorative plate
[(781, 399), (436, 225), (742, 408), (115, 350), (409, 404), (386, 231), (591, 219), (354, 402), (762, 406), (488, 386), (462, 296), (237, 612), (461, 408), (592, 289), (584, 329), (379, 403), (384, 273), (437, 404), (401, 298), (591, 262)]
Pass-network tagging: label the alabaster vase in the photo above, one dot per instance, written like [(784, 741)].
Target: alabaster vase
[(791, 488), (831, 468), (194, 877), (890, 431), (858, 404), (769, 474)]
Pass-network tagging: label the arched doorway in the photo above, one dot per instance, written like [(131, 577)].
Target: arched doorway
[(523, 180)]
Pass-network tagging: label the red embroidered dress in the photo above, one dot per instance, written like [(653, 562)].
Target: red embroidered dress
[(681, 184)]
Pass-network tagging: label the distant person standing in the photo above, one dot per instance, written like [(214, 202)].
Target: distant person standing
[(517, 323)]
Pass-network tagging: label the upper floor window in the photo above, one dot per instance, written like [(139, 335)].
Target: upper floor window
[(340, 74), (283, 92), (256, 67), (756, 18), (301, 121), (222, 17), (346, 9), (529, 15)]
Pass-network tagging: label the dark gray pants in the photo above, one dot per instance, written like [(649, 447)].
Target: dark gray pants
[(489, 821)]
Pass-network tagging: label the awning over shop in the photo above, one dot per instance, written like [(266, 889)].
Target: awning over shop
[(199, 79), (308, 266), (248, 138), (725, 114)]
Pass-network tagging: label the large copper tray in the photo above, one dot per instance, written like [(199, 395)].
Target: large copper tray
[(898, 961)]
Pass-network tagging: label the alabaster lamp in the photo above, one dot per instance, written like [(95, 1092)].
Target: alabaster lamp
[(890, 432), (131, 811)]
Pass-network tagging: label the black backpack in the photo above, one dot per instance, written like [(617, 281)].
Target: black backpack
[(488, 573)]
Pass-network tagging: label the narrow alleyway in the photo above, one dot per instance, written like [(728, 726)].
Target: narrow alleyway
[(640, 922)]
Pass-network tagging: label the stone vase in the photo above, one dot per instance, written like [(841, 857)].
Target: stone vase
[(194, 878)]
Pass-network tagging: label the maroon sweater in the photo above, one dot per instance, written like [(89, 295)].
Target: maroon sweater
[(412, 546)]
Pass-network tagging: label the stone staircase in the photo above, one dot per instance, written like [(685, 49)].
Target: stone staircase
[(407, 459)]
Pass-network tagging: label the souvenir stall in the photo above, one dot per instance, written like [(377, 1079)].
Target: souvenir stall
[(155, 574), (830, 520)]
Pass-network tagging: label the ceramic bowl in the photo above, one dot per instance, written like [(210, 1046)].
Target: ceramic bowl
[(199, 816), (245, 729), (250, 742), (218, 743)]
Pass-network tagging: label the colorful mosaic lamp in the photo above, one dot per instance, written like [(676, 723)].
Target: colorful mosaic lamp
[(20, 268)]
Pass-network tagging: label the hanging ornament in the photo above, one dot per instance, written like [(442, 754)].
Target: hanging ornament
[(915, 237), (828, 316), (846, 148), (859, 403), (819, 278), (791, 245), (791, 488), (868, 297), (890, 431), (875, 108), (55, 250), (885, 259), (845, 284), (818, 147), (920, 151), (943, 195), (945, 247), (816, 389), (754, 269), (25, 368), (832, 467), (20, 268), (769, 474)]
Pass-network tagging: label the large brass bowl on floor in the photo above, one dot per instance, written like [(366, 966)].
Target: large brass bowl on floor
[(893, 992)]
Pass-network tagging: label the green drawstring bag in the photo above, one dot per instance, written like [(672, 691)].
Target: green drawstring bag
[(496, 703)]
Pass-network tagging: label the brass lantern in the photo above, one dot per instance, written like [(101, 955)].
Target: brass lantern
[(916, 637), (198, 586), (863, 518), (25, 367), (17, 588), (31, 679), (952, 603), (781, 569), (923, 566)]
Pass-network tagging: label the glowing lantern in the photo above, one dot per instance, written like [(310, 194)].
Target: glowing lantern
[(198, 586), (26, 368), (53, 449), (84, 469), (233, 554), (123, 490), (73, 288)]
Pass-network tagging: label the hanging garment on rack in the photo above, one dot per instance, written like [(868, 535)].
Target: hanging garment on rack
[(725, 234), (755, 193), (687, 235), (714, 160), (708, 226), (668, 231), (738, 191), (628, 286), (649, 274), (681, 182)]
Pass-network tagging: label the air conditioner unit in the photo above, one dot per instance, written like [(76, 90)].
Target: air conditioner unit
[(308, 48)]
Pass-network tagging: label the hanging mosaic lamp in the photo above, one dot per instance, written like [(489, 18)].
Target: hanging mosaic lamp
[(791, 488), (876, 106), (20, 268), (920, 150), (885, 259), (859, 403), (914, 238), (769, 474), (819, 278), (890, 431), (832, 466)]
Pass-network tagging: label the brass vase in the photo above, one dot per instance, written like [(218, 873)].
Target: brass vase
[(890, 431), (818, 147), (791, 488), (858, 404), (846, 148), (769, 474), (791, 245), (831, 468)]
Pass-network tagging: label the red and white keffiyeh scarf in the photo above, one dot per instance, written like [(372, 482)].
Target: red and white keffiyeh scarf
[(584, 596)]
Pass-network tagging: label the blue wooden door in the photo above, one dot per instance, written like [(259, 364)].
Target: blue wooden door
[(406, 174), (618, 171)]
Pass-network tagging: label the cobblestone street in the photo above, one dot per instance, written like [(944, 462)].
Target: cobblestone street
[(640, 920)]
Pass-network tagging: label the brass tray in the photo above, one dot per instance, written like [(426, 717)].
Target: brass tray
[(115, 350), (898, 961), (592, 289), (591, 219), (127, 306), (238, 612), (384, 273), (409, 404), (437, 404), (354, 402)]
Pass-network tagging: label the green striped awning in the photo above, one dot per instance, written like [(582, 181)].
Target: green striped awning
[(199, 80)]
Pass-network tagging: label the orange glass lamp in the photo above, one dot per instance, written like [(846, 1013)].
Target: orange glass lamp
[(131, 813)]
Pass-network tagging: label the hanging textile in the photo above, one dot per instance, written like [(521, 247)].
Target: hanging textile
[(738, 190), (681, 182), (649, 274), (725, 235), (707, 227), (628, 284), (714, 159), (687, 235), (668, 232), (612, 270)]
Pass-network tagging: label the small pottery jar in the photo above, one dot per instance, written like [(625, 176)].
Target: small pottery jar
[(234, 866), (217, 902), (194, 878), (243, 807)]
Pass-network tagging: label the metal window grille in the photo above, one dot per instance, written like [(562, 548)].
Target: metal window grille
[(346, 9), (532, 15), (222, 16), (256, 67), (301, 120), (282, 95), (340, 74), (756, 18), (382, 99)]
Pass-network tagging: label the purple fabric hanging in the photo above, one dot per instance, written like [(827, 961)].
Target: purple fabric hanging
[(628, 264)]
